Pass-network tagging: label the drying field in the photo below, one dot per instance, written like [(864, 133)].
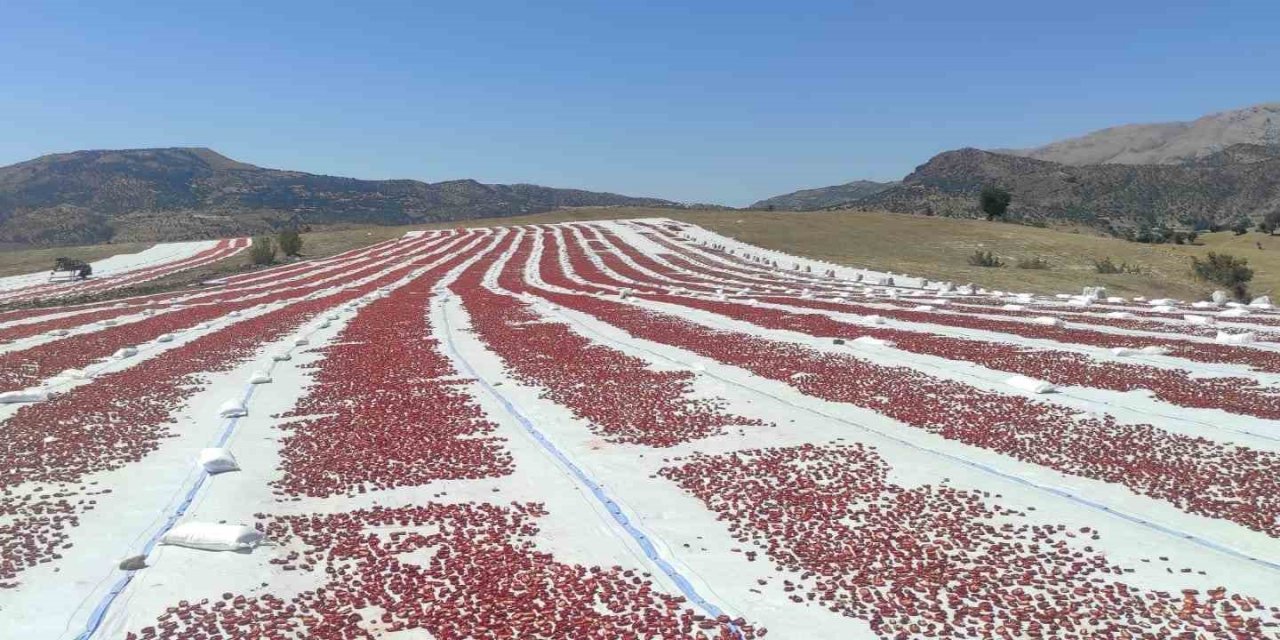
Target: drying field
[(117, 271), (635, 429)]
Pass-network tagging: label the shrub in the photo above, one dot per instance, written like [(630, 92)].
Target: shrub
[(1106, 265), (263, 251), (1226, 270), (994, 201), (982, 258), (1033, 263), (1240, 227), (290, 242)]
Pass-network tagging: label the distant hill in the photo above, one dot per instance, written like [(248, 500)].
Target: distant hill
[(186, 193), (823, 197), (1165, 143), (1239, 181)]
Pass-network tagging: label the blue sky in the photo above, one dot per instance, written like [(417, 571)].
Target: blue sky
[(710, 101)]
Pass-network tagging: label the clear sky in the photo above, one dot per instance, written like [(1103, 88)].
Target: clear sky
[(694, 100)]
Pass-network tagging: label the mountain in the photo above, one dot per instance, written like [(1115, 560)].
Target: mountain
[(1165, 143), (188, 193), (823, 197), (1239, 181)]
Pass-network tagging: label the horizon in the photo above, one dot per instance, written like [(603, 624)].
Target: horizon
[(726, 105)]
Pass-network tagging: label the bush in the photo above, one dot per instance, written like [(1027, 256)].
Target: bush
[(984, 259), (1106, 265), (1033, 263), (994, 201), (1240, 227), (290, 242), (263, 251), (1226, 270)]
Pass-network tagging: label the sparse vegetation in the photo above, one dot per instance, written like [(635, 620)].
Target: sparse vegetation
[(1225, 270), (290, 242), (982, 258), (1035, 262), (1240, 227), (994, 201), (263, 251), (1106, 265)]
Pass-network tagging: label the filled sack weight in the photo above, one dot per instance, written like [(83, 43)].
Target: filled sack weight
[(212, 537), (217, 460), (16, 397), (1031, 385), (233, 409)]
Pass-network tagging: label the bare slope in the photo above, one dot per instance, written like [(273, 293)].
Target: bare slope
[(1165, 143), (823, 197)]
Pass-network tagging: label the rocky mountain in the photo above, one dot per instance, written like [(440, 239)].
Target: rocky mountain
[(187, 193), (1239, 181), (1165, 143), (823, 197)]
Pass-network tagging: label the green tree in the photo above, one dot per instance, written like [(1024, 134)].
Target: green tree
[(1226, 270), (263, 251), (290, 242), (994, 201), (1270, 223)]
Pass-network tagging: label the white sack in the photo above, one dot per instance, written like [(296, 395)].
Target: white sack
[(868, 341), (232, 409), (1261, 301), (260, 377), (1030, 384), (1119, 315), (212, 537), (1220, 296), (1234, 312), (14, 397), (1048, 321), (1236, 338), (127, 352), (1164, 308), (1124, 352), (217, 460), (1154, 350), (281, 356), (1199, 320)]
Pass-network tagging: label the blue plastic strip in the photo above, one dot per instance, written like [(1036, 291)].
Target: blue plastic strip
[(596, 490)]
